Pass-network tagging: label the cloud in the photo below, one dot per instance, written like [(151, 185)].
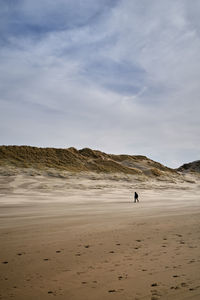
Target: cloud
[(119, 76), (24, 17)]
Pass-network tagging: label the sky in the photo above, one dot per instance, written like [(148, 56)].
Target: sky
[(120, 76)]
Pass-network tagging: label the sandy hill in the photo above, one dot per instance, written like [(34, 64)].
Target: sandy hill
[(190, 167), (86, 159)]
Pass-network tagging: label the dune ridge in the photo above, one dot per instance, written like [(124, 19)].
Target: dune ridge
[(71, 159)]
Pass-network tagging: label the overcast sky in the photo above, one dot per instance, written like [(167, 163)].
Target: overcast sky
[(121, 76)]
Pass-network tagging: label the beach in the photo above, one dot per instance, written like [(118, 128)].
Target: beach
[(82, 237)]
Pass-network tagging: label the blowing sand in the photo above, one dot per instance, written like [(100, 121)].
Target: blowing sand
[(82, 237)]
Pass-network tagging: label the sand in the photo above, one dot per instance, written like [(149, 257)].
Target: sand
[(82, 237)]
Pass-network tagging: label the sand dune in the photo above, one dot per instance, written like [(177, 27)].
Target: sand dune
[(193, 167), (80, 236), (84, 160)]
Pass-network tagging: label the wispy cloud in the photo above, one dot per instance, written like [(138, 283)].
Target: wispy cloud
[(120, 76)]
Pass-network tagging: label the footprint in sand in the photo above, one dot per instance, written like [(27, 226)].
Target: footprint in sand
[(174, 287), (183, 284), (112, 291), (79, 273), (154, 284)]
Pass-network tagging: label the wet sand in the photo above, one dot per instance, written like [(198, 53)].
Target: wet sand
[(83, 238)]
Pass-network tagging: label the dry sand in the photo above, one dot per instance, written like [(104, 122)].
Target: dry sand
[(82, 237)]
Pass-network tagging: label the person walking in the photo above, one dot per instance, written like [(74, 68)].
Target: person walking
[(136, 197)]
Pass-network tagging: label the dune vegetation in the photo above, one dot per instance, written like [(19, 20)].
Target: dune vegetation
[(84, 160)]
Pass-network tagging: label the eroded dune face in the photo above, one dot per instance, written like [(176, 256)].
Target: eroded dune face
[(23, 184)]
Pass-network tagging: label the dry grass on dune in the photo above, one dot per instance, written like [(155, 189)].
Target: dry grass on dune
[(86, 159), (25, 156)]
